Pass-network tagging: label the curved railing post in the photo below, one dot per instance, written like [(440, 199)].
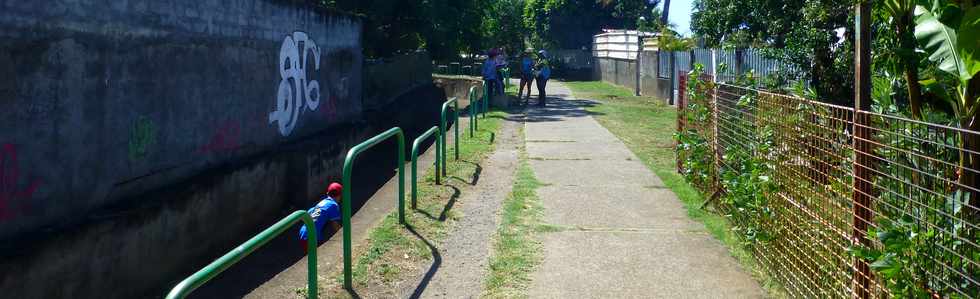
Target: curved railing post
[(221, 264), (442, 129), (415, 158), (345, 208), (473, 104)]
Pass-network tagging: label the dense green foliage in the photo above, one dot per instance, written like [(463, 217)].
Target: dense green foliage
[(447, 28), (570, 24), (924, 68), (807, 34), (443, 27)]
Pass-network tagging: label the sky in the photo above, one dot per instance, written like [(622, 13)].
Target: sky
[(680, 15)]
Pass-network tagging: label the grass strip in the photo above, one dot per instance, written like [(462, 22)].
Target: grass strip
[(646, 125), (516, 249)]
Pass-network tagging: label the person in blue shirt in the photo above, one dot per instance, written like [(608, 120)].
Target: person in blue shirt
[(542, 74), (490, 71), (326, 211), (527, 74)]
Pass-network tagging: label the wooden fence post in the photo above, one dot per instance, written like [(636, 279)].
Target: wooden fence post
[(681, 120), (638, 63), (862, 189)]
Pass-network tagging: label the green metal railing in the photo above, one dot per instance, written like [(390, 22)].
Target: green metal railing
[(442, 129), (221, 264), (506, 77), (473, 103), (415, 158), (345, 208)]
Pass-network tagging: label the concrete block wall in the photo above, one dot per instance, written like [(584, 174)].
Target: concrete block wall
[(616, 71), (648, 73), (622, 72)]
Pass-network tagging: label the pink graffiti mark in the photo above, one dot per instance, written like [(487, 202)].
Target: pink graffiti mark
[(330, 109), (13, 200), (225, 138)]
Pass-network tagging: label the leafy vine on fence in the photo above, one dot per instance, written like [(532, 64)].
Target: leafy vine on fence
[(743, 181)]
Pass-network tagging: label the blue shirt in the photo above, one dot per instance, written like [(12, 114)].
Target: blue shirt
[(545, 72), (326, 210), (526, 65), (489, 70)]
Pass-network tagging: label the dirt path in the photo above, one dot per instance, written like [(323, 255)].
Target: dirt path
[(461, 261)]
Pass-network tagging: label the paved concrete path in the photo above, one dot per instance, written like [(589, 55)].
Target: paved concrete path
[(627, 235)]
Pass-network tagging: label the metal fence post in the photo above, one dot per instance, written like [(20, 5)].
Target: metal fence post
[(673, 77), (861, 193), (714, 65), (739, 62)]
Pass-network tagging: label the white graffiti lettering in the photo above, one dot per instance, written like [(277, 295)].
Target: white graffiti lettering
[(295, 90)]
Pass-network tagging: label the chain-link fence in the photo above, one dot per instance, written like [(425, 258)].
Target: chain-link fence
[(895, 215)]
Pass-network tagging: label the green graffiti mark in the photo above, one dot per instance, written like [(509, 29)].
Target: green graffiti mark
[(141, 138)]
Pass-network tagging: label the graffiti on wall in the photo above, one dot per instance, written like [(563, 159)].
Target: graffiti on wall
[(141, 138), (296, 91), (225, 138), (13, 195)]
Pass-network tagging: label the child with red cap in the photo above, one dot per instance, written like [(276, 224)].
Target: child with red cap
[(327, 210)]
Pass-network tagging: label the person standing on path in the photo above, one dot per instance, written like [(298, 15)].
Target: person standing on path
[(527, 74), (490, 72), (541, 75), (501, 61), (327, 210)]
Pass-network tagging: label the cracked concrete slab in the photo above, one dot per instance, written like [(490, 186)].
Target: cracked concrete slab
[(669, 264), (620, 207), (593, 172), (622, 233)]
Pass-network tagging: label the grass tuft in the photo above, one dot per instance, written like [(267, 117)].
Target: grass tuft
[(516, 249)]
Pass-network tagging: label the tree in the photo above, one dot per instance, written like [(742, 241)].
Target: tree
[(504, 25), (950, 35), (807, 34), (443, 27), (570, 24)]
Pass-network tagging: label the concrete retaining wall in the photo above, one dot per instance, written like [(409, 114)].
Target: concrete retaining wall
[(103, 100), (459, 87), (142, 139), (386, 79), (144, 248)]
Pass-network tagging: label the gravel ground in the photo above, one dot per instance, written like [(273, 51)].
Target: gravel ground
[(461, 262)]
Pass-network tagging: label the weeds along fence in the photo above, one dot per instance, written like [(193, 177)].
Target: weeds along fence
[(783, 170)]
